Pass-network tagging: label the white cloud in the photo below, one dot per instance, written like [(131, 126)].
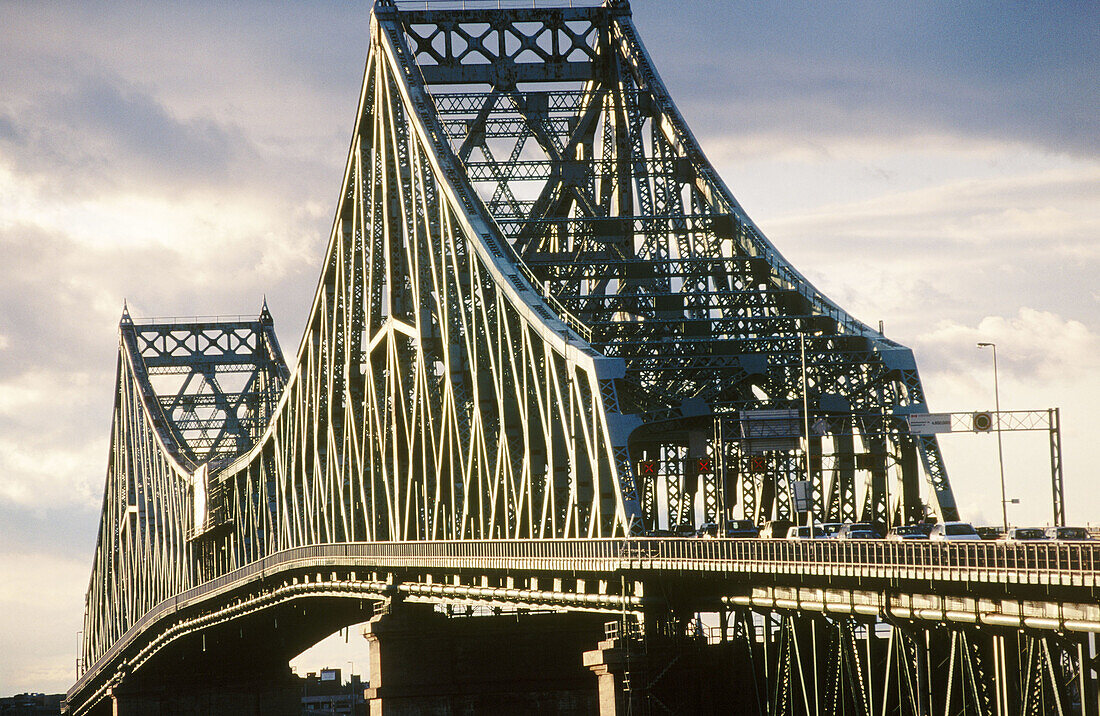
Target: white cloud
[(959, 245), (46, 459), (1044, 361), (40, 622)]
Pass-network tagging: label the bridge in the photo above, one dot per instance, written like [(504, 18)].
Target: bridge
[(545, 340)]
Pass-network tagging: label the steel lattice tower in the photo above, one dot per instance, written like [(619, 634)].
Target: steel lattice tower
[(541, 314)]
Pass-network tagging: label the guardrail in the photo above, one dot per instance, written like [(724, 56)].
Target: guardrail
[(1075, 564)]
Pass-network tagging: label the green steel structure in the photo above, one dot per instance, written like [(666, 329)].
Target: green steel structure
[(544, 326)]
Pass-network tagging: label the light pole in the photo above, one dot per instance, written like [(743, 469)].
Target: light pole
[(806, 426), (354, 690), (1000, 452)]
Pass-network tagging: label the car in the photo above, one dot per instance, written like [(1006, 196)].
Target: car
[(1068, 533), (831, 528), (863, 530), (805, 532), (1025, 534), (685, 529), (741, 529), (860, 534), (710, 530), (953, 532), (989, 532), (908, 532), (775, 529)]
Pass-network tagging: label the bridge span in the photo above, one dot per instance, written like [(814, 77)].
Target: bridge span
[(545, 336), (1043, 591)]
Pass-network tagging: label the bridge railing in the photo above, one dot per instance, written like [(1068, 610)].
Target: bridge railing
[(1009, 559), (819, 556), (987, 561)]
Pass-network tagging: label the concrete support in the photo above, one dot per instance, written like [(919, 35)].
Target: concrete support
[(608, 663), (426, 663), (674, 675)]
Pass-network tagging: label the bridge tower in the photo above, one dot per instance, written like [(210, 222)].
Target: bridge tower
[(537, 236), (545, 333)]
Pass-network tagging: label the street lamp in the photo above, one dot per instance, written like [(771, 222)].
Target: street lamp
[(806, 425), (1000, 451), (354, 690)]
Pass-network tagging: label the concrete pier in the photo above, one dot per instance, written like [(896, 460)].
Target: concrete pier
[(426, 663)]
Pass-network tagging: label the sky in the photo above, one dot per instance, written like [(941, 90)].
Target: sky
[(933, 165)]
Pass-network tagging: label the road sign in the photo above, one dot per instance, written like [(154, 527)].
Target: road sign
[(982, 422), (929, 423), (764, 430), (802, 492)]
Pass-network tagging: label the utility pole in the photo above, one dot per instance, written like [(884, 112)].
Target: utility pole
[(1000, 451)]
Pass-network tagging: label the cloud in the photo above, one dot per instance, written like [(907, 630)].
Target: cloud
[(1037, 347), (39, 628), (865, 69), (958, 247), (1044, 361), (60, 528), (107, 137)]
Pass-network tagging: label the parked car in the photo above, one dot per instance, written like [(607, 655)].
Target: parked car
[(775, 529), (741, 529), (831, 528), (953, 532), (805, 532), (1025, 534), (908, 532), (858, 530), (1068, 533)]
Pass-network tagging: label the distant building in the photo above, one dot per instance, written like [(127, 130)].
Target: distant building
[(325, 694), (31, 705)]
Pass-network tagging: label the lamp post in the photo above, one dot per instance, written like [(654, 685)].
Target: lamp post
[(1000, 452), (354, 691), (806, 427)]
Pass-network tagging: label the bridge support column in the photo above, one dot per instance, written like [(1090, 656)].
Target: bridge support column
[(425, 662), (681, 674)]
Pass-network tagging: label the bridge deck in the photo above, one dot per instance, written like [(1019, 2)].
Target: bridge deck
[(850, 577)]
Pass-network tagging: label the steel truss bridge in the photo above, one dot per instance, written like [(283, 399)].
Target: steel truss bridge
[(545, 332)]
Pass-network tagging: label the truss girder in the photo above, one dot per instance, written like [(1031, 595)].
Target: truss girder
[(158, 445), (622, 224), (437, 395), (531, 258)]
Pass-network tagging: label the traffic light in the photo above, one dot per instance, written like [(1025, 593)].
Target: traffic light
[(647, 468)]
